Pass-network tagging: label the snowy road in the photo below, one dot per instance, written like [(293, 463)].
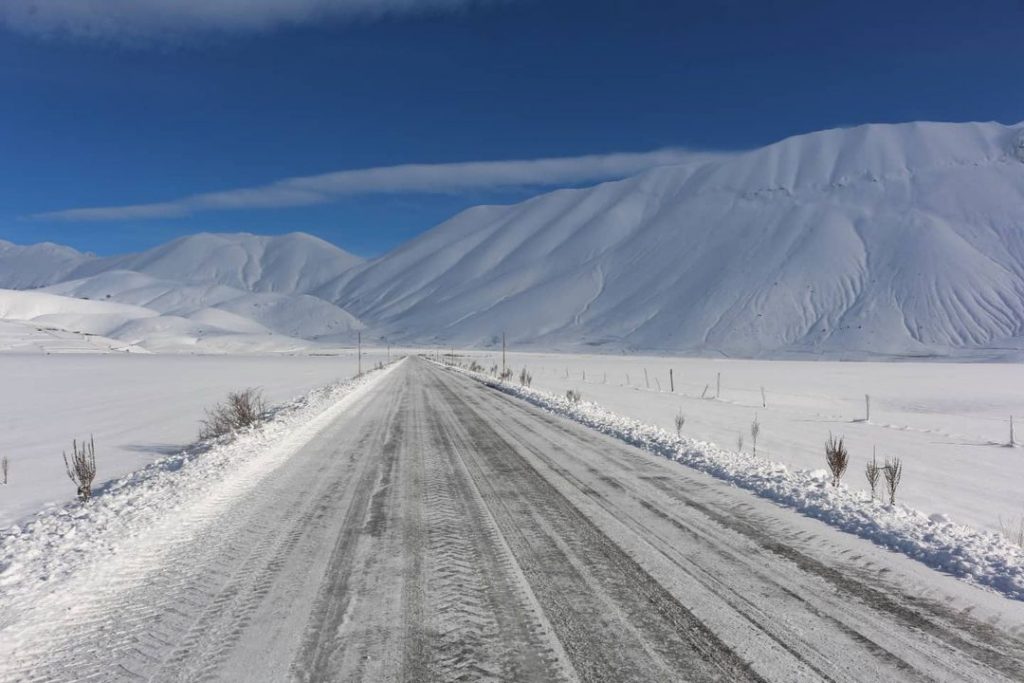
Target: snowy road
[(439, 530)]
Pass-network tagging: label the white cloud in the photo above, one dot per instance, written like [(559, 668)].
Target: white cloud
[(408, 178), (159, 19)]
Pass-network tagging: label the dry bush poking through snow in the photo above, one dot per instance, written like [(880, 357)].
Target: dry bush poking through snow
[(1013, 532), (872, 472), (81, 469), (574, 396), (755, 431), (893, 471), (837, 458), (525, 378), (241, 409), (680, 421), (4, 466)]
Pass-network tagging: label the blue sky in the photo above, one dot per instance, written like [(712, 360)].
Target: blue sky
[(153, 107)]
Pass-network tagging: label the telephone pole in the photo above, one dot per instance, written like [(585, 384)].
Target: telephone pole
[(503, 354)]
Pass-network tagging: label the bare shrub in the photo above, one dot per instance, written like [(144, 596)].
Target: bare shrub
[(893, 471), (872, 471), (680, 421), (81, 469), (573, 396), (1013, 531), (506, 375), (525, 378), (837, 458), (739, 441), (241, 409), (475, 367), (4, 466), (755, 431)]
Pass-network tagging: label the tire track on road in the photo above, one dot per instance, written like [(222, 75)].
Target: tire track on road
[(614, 621)]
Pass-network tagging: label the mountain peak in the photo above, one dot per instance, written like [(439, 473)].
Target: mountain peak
[(296, 263), (880, 239)]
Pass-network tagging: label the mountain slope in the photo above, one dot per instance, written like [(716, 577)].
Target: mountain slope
[(37, 265), (293, 315), (43, 321), (296, 263), (220, 293), (890, 239)]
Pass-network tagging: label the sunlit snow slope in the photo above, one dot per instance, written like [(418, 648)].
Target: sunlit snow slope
[(885, 240), (295, 263), (205, 293), (889, 239)]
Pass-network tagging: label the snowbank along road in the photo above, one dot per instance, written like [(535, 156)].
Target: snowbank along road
[(439, 530)]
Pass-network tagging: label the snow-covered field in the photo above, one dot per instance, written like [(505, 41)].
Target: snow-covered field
[(949, 423), (139, 408), (983, 558)]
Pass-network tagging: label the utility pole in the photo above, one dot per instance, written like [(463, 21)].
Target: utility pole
[(502, 354), (359, 350)]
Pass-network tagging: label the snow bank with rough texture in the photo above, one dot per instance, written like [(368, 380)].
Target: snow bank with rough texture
[(56, 542), (139, 408), (982, 558), (949, 422)]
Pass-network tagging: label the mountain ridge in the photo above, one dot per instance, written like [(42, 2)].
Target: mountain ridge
[(876, 240), (889, 239)]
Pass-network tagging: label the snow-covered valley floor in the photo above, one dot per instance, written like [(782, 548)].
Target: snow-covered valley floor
[(139, 408), (948, 422)]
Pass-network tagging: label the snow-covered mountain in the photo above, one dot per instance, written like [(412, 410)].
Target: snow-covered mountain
[(888, 239), (293, 315), (37, 265), (206, 292), (880, 239), (295, 263), (41, 321)]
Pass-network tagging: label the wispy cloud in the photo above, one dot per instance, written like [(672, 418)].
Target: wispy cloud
[(162, 19), (408, 178)]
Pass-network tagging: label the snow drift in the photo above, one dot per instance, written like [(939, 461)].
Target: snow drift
[(982, 558)]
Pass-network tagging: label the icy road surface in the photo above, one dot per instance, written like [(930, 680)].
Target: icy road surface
[(439, 530)]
